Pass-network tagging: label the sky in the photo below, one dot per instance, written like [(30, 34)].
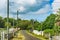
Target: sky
[(29, 9)]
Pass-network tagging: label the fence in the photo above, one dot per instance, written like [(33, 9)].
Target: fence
[(2, 35)]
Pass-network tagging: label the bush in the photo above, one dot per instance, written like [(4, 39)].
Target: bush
[(48, 31)]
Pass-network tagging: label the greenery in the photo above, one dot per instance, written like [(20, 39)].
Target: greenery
[(50, 25), (29, 24), (49, 22), (49, 31), (37, 36), (18, 36)]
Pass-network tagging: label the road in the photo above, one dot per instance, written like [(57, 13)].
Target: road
[(27, 36)]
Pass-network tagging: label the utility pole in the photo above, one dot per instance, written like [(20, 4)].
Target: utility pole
[(41, 28), (7, 19), (17, 17), (33, 24), (13, 21)]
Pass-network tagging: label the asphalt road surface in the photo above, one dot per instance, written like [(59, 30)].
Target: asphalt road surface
[(27, 36)]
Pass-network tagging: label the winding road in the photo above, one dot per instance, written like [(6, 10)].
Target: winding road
[(27, 36)]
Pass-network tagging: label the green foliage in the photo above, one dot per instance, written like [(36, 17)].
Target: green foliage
[(58, 12), (57, 30), (36, 25), (7, 24), (29, 27), (23, 24), (31, 24), (49, 31), (57, 25), (11, 21), (49, 22), (1, 22), (58, 16)]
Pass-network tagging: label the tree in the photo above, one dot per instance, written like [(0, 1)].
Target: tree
[(49, 22), (1, 22), (36, 25), (7, 24), (39, 27), (32, 23), (49, 31), (57, 23), (29, 27), (11, 21), (23, 24), (58, 16)]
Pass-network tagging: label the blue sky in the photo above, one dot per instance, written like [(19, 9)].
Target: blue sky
[(30, 9)]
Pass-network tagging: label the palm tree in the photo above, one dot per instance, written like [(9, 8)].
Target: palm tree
[(58, 16), (57, 24)]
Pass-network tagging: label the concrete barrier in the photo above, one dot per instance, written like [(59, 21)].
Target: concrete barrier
[(55, 37), (38, 32)]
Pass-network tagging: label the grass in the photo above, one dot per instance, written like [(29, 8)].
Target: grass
[(18, 33), (37, 36), (3, 30), (19, 36)]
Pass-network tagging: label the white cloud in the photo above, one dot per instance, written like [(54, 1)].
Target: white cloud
[(19, 1), (56, 5), (22, 5), (21, 8), (30, 2), (3, 7), (46, 9), (34, 6), (3, 14), (2, 3)]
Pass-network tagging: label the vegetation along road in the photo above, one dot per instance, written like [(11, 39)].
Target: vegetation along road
[(27, 36)]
